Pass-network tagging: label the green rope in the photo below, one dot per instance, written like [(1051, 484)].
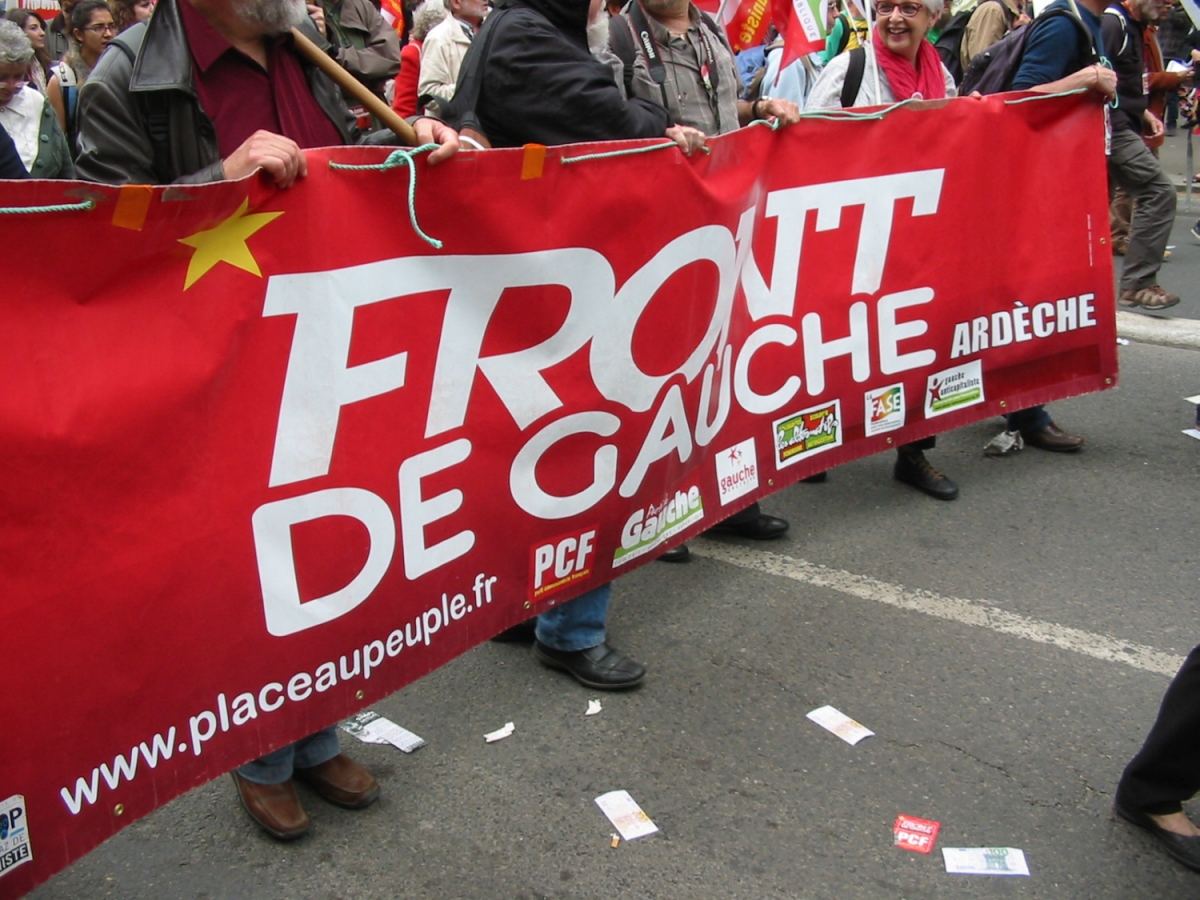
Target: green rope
[(614, 153), (1044, 96), (60, 207), (774, 126), (836, 115), (403, 157)]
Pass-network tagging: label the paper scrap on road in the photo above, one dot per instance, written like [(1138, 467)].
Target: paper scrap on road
[(593, 708), (499, 734), (616, 841), (1195, 399), (1004, 444), (840, 724), (626, 816), (372, 728), (985, 861), (1124, 342), (914, 834), (1192, 432)]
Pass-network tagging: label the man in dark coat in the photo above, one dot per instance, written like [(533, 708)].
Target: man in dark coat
[(539, 83)]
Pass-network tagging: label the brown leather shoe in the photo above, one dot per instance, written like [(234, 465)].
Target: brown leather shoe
[(274, 807), (341, 781), (1053, 438)]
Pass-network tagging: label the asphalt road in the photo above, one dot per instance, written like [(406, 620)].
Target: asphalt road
[(980, 724)]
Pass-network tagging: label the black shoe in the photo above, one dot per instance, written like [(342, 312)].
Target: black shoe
[(599, 667), (675, 554), (764, 528), (819, 478), (521, 633), (913, 468), (1185, 850)]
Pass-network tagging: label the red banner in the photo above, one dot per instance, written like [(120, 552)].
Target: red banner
[(270, 456)]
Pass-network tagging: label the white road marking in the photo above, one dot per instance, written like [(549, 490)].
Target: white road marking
[(956, 609)]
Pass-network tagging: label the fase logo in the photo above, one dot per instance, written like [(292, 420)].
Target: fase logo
[(737, 471), (562, 561), (14, 834), (884, 409), (809, 431), (953, 389)]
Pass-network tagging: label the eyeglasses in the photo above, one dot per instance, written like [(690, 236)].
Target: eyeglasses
[(108, 28), (908, 10), (17, 81)]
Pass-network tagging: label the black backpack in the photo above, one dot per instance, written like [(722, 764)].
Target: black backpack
[(949, 43), (993, 70)]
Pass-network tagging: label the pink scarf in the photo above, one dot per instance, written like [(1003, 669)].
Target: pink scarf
[(925, 78)]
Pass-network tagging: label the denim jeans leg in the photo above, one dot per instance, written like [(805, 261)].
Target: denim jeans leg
[(577, 624), (1026, 420), (317, 748), (274, 768), (277, 767)]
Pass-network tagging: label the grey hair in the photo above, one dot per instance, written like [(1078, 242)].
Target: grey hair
[(15, 48), (935, 7), (426, 16)]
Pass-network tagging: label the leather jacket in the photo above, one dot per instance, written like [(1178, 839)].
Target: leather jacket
[(140, 121)]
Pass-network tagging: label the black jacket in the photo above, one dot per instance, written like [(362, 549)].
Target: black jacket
[(10, 161), (540, 84), (1123, 37), (148, 87)]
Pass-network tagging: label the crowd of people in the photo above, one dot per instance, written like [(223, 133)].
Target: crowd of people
[(205, 90)]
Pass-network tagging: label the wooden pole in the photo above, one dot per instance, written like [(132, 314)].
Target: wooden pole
[(354, 88)]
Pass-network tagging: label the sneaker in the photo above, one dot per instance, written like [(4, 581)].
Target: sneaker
[(1196, 231), (1152, 298)]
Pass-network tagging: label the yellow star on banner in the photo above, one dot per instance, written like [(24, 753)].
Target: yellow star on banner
[(226, 243)]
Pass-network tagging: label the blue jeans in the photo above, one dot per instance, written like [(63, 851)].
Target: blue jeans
[(276, 768), (578, 624), (1026, 420)]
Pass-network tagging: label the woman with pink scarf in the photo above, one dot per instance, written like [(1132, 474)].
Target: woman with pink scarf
[(899, 64), (907, 65)]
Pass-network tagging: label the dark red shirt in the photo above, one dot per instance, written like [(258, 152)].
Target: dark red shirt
[(241, 97)]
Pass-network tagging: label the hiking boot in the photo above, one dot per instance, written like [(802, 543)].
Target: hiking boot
[(913, 468), (1152, 298)]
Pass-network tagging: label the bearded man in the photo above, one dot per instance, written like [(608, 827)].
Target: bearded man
[(209, 90)]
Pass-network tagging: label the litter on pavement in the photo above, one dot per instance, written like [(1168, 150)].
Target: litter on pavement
[(593, 708), (499, 734), (372, 728), (626, 816), (840, 724), (917, 835), (1004, 444), (985, 861)]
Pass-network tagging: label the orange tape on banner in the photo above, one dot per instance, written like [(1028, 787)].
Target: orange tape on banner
[(133, 203), (534, 161)]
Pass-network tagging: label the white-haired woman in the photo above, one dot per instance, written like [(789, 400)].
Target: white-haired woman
[(907, 65), (426, 16), (24, 113)]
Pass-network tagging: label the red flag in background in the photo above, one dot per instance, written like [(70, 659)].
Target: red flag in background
[(801, 23), (393, 13), (746, 22)]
